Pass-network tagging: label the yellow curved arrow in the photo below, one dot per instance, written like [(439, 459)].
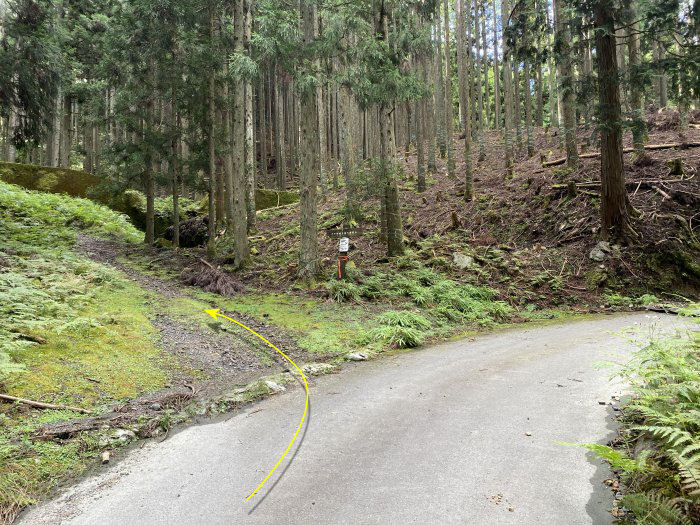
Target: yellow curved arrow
[(215, 314)]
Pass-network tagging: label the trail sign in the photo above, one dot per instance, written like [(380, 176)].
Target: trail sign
[(343, 235), (339, 233)]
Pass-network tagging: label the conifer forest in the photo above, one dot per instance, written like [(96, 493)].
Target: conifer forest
[(335, 181)]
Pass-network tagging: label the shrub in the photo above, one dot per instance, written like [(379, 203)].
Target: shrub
[(395, 335), (342, 291), (404, 318), (664, 479)]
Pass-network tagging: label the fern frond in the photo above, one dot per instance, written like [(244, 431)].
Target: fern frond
[(689, 471), (673, 436), (653, 509)]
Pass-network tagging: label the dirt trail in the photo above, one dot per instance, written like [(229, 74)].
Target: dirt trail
[(212, 361)]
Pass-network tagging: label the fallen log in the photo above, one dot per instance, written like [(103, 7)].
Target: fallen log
[(651, 147), (39, 404)]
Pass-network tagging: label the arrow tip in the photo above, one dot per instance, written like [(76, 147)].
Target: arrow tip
[(213, 312)]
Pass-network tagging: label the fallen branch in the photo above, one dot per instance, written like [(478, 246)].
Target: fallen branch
[(646, 184), (682, 145), (661, 192), (38, 404), (205, 262)]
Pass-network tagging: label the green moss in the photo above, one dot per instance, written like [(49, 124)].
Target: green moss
[(53, 180), (98, 345), (317, 326), (596, 278), (271, 198), (133, 204), (111, 357)]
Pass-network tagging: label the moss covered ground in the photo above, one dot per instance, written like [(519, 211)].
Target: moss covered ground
[(72, 332)]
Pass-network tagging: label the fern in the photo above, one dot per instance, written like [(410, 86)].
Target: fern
[(619, 461), (689, 470), (404, 318), (674, 437), (653, 509)]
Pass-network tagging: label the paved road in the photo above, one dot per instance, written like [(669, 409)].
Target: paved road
[(435, 436)]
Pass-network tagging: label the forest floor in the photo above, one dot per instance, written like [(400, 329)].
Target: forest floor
[(525, 236), (138, 352)]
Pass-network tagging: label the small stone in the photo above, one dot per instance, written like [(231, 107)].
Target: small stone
[(528, 433), (600, 251), (105, 457), (356, 356), (461, 261), (602, 402), (274, 387), (155, 406), (123, 435)]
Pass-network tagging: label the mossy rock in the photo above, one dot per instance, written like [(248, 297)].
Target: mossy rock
[(131, 202), (596, 278), (51, 180), (270, 198)]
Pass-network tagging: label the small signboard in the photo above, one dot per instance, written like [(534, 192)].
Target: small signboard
[(338, 233), (344, 245)]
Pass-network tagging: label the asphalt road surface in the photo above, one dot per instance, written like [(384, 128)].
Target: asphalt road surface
[(466, 432)]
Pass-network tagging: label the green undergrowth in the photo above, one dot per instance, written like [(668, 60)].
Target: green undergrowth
[(72, 332), (658, 454), (317, 326), (433, 304)]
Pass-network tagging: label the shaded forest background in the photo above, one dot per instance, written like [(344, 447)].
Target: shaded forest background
[(216, 99)]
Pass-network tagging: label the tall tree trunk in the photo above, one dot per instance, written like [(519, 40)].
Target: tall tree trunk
[(11, 123), (449, 116), (249, 147), (394, 228), (280, 146), (439, 91), (480, 62), (496, 73), (528, 109), (150, 164), (175, 165), (636, 84), (228, 154), (308, 181), (420, 137), (262, 130), (615, 221), (66, 133), (659, 54), (240, 221), (211, 117), (322, 132), (485, 47), (431, 120), (465, 106), (54, 141), (551, 69), (566, 82), (507, 99), (517, 116)]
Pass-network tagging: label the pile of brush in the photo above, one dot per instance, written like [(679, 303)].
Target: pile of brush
[(210, 279), (193, 232)]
